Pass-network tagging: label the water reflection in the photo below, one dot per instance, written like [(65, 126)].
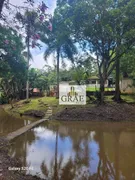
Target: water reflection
[(9, 123), (88, 151)]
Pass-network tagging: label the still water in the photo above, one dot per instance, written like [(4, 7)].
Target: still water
[(78, 151), (9, 123)]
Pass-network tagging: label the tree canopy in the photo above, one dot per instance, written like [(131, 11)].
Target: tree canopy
[(105, 28)]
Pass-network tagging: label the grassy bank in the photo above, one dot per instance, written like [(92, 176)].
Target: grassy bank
[(43, 103), (126, 97), (40, 104)]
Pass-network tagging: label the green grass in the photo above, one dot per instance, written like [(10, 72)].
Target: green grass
[(39, 104), (35, 104), (43, 103), (127, 98), (94, 89)]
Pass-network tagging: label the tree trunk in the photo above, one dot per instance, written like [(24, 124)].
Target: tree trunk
[(28, 57), (117, 97), (117, 152), (1, 6), (56, 157), (58, 64), (102, 81), (27, 89), (102, 88)]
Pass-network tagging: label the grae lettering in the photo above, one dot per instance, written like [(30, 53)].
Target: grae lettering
[(65, 98)]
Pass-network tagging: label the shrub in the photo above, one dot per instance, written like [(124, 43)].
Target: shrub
[(97, 95), (3, 100)]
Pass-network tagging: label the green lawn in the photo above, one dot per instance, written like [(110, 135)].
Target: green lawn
[(94, 89), (43, 103), (38, 104), (35, 104), (127, 98)]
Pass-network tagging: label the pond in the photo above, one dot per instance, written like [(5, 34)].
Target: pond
[(78, 151), (9, 123)]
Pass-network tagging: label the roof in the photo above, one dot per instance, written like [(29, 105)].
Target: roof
[(36, 90), (97, 78), (93, 77), (64, 82)]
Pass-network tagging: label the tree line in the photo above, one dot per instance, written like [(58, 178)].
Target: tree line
[(103, 31)]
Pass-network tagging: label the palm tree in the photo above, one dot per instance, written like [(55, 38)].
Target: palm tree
[(59, 41), (28, 56), (31, 23)]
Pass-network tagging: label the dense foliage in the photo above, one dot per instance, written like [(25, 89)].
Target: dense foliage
[(105, 28), (78, 31), (12, 63)]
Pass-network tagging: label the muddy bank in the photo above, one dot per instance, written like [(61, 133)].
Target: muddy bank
[(107, 112), (6, 163), (34, 113)]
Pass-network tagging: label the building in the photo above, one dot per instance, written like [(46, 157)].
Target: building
[(36, 92), (94, 81), (127, 85)]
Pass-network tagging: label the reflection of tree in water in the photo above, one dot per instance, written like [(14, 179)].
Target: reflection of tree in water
[(75, 168), (19, 147), (80, 141), (55, 165), (116, 164), (121, 152), (106, 170), (8, 123)]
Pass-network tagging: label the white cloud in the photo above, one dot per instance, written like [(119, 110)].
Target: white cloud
[(52, 5), (39, 62), (16, 2)]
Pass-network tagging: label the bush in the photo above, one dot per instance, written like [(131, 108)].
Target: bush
[(3, 100), (97, 95)]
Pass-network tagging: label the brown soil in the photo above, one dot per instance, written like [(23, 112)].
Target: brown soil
[(107, 112), (6, 161), (34, 113)]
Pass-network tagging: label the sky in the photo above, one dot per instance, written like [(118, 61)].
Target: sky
[(38, 60)]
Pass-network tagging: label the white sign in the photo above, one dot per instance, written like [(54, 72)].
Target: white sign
[(72, 95)]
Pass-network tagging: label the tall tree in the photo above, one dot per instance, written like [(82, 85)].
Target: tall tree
[(106, 28), (127, 64), (38, 79), (83, 67), (31, 20), (59, 41), (12, 63)]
